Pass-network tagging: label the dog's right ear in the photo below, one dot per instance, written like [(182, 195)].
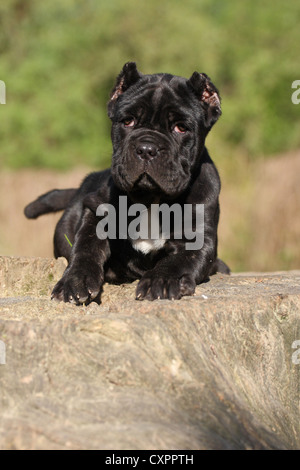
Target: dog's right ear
[(128, 77)]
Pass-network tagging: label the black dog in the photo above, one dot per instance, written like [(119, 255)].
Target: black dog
[(159, 126)]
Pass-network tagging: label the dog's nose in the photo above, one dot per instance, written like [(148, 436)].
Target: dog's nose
[(146, 150)]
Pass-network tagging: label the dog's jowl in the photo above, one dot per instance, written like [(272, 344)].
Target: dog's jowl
[(159, 126)]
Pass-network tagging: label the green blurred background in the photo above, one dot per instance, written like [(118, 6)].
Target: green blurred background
[(59, 60)]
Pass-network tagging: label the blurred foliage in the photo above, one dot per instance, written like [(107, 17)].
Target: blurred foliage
[(59, 60)]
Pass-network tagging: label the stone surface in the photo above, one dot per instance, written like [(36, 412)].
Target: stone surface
[(214, 371)]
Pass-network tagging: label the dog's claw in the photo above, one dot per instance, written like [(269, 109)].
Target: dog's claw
[(78, 285), (155, 286)]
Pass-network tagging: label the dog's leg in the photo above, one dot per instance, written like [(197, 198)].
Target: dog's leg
[(84, 277)]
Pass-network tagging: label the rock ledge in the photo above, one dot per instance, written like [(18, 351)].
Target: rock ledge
[(219, 370)]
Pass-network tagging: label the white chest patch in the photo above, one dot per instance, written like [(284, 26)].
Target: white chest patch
[(146, 245)]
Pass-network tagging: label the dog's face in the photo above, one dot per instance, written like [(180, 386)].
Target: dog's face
[(159, 126)]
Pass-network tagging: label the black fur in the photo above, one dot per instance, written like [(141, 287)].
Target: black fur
[(159, 126)]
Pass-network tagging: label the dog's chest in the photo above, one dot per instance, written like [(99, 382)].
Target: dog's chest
[(154, 241)]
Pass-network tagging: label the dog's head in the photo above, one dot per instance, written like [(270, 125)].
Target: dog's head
[(159, 126)]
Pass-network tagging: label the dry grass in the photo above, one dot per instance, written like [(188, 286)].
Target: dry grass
[(276, 214), (260, 223), (259, 228), (18, 235)]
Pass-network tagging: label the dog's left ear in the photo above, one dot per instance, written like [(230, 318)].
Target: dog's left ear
[(208, 95), (128, 77)]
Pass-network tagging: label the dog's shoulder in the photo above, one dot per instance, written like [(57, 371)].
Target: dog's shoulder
[(97, 188), (95, 181), (205, 184)]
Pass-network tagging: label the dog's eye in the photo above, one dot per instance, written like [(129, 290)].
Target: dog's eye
[(180, 129), (129, 122)]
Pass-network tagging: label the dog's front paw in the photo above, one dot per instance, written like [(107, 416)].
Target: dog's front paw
[(155, 285), (80, 284)]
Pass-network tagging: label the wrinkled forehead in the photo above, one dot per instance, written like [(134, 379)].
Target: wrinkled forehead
[(160, 94)]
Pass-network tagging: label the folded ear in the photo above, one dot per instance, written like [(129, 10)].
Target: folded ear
[(208, 95), (128, 77)]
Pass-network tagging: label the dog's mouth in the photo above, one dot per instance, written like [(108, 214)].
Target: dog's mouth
[(145, 183), (145, 190)]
